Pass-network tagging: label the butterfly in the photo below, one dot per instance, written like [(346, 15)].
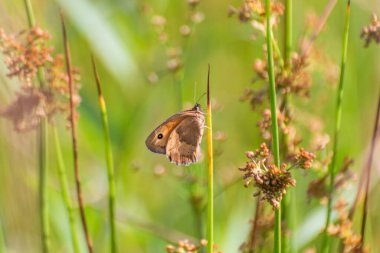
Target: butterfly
[(179, 137)]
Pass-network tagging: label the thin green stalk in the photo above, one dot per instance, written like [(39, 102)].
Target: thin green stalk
[(368, 174), (109, 160), (288, 199), (42, 152), (338, 116), (29, 13), (278, 51), (275, 137), (288, 30), (65, 191), (74, 137), (42, 156), (210, 157)]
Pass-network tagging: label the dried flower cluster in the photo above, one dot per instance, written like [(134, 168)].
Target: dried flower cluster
[(343, 230), (26, 56), (254, 10), (185, 246), (371, 32), (265, 124), (295, 79), (304, 159), (174, 55), (271, 181)]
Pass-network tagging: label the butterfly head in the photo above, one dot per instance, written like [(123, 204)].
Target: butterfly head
[(197, 107)]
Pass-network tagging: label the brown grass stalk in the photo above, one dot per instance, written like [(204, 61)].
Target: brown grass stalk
[(74, 136), (307, 44), (368, 173)]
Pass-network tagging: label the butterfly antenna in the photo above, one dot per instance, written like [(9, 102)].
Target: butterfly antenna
[(204, 93), (195, 91)]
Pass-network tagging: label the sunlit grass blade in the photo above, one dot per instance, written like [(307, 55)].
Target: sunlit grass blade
[(338, 116), (65, 191), (273, 107), (210, 178), (109, 160), (74, 137), (289, 198), (42, 140)]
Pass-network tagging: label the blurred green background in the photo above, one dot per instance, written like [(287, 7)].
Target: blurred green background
[(153, 209)]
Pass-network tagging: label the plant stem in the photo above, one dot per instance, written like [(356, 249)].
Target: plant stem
[(65, 191), (306, 46), (74, 136), (288, 199), (254, 230), (277, 51), (368, 174), (288, 30), (275, 137), (338, 116), (109, 160), (210, 196), (43, 185), (29, 13), (42, 158)]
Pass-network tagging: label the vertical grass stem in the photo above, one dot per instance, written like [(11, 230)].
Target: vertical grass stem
[(210, 158), (109, 160), (338, 116)]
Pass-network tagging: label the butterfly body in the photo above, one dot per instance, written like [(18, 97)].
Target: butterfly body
[(179, 137)]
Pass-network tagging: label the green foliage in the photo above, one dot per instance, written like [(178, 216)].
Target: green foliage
[(152, 196)]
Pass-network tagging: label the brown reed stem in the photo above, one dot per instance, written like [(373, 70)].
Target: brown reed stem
[(74, 136), (307, 45), (253, 233), (368, 173)]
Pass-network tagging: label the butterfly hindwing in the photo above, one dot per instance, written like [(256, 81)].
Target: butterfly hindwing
[(183, 146)]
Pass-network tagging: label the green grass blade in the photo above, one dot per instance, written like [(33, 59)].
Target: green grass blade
[(42, 137), (332, 168), (65, 191), (273, 106), (109, 161)]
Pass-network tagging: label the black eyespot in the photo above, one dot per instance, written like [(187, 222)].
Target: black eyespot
[(160, 136)]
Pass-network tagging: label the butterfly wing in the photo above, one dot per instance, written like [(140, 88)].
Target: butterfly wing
[(158, 139), (183, 145)]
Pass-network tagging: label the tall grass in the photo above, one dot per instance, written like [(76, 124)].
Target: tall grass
[(275, 136), (42, 148), (368, 173), (210, 175), (289, 198), (338, 116), (74, 137), (109, 160), (65, 190)]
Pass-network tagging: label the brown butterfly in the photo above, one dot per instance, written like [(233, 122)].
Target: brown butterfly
[(179, 137)]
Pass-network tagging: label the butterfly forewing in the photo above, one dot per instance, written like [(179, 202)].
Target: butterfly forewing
[(179, 137)]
